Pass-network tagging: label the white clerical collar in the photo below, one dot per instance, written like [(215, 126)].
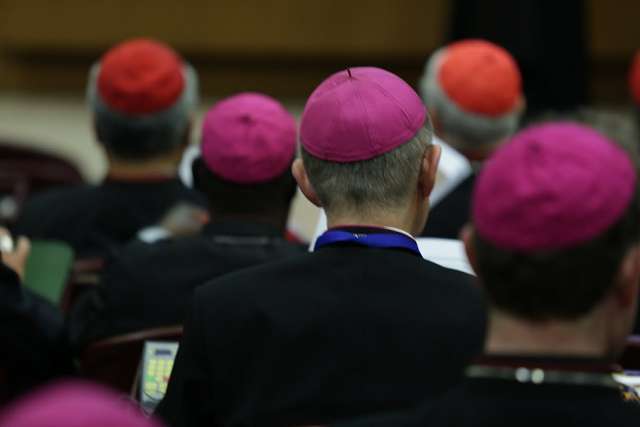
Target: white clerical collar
[(397, 230)]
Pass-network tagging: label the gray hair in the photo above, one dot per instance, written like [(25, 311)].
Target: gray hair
[(142, 137), (619, 126), (381, 183), (470, 130)]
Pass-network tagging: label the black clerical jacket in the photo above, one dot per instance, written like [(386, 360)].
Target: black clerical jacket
[(151, 284), (504, 402), (447, 218), (97, 219), (33, 349), (323, 336)]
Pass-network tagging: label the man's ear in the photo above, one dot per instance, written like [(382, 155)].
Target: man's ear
[(300, 174), (628, 283), (429, 169), (467, 237)]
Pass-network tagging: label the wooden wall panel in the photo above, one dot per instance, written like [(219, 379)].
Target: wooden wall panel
[(279, 46), (253, 27), (614, 28), (282, 47)]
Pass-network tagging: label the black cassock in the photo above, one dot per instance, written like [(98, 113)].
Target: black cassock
[(97, 220), (151, 285), (34, 349), (344, 331), (496, 402), (447, 218)]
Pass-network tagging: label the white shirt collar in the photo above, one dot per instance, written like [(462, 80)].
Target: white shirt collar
[(397, 230)]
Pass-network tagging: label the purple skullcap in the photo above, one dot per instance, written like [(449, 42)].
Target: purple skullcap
[(248, 138), (360, 113), (74, 404), (553, 186)]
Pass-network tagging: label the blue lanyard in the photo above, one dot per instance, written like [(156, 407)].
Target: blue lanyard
[(388, 240)]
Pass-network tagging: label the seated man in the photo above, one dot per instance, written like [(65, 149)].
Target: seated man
[(634, 86), (473, 91), (34, 349), (361, 324), (248, 144), (555, 242), (142, 95)]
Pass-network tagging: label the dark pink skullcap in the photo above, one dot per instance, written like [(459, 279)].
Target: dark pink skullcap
[(553, 186), (360, 113), (74, 404), (248, 138)]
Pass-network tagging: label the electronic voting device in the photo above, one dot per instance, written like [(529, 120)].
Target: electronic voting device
[(157, 363)]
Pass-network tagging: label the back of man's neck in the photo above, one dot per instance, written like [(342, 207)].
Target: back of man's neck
[(390, 221), (133, 171), (508, 335)]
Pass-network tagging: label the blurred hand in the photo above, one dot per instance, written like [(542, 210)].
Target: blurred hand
[(14, 258), (185, 220)]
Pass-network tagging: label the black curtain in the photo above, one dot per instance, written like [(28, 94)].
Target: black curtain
[(547, 38)]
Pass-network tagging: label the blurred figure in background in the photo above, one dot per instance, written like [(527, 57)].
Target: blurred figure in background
[(34, 348), (74, 404), (248, 145), (555, 242), (363, 323), (634, 85), (473, 91), (142, 95)]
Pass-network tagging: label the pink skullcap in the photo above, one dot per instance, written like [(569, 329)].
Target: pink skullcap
[(74, 404), (634, 78), (480, 77), (248, 138), (140, 76), (360, 113), (553, 186)]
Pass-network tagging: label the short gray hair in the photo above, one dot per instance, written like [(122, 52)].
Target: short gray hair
[(383, 182), (142, 137), (618, 126)]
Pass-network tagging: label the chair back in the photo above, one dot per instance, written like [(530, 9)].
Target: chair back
[(24, 171), (48, 268), (85, 275), (115, 361), (630, 359)]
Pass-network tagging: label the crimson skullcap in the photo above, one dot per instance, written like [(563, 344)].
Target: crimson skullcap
[(480, 77)]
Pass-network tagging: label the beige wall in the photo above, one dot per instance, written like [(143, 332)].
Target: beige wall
[(282, 47)]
